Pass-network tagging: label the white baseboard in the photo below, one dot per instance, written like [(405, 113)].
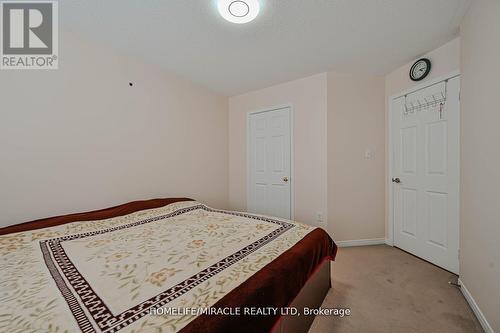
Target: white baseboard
[(475, 308), (360, 242)]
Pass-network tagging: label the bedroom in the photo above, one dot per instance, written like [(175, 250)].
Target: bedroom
[(272, 166)]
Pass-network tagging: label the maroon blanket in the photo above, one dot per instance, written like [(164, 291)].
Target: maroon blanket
[(276, 285)]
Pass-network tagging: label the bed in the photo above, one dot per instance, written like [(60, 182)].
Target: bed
[(161, 265)]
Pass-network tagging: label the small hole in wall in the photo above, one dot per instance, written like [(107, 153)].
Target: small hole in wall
[(130, 84)]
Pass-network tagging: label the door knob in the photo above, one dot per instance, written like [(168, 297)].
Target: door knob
[(396, 180), (285, 179)]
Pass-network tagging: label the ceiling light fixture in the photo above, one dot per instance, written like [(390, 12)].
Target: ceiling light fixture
[(239, 11)]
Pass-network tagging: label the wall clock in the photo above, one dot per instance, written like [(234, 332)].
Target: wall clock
[(420, 69)]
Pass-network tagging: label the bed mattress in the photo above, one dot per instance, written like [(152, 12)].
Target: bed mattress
[(165, 265)]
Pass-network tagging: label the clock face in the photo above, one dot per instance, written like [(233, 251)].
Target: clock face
[(420, 69)]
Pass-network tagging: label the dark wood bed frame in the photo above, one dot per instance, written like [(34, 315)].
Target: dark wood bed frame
[(311, 295)]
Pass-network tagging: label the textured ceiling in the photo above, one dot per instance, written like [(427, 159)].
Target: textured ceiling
[(288, 40)]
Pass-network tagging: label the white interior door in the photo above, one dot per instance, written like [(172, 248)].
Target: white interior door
[(269, 163), (425, 177)]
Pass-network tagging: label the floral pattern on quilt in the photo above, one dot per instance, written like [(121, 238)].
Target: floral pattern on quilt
[(107, 275)]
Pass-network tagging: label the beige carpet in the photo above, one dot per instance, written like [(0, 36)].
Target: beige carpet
[(389, 290)]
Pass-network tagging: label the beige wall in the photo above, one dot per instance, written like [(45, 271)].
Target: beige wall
[(308, 98), (445, 60), (476, 55), (480, 178), (336, 182), (356, 185), (79, 138)]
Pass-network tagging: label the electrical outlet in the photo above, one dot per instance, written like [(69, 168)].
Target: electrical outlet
[(319, 217)]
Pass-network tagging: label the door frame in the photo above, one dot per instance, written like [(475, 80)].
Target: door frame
[(292, 149), (390, 204)]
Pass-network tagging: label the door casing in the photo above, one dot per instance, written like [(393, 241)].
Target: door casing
[(292, 169), (390, 192)]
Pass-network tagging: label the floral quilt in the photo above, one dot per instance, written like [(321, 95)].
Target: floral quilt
[(108, 275)]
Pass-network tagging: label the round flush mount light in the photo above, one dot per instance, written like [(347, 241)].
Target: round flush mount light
[(239, 11)]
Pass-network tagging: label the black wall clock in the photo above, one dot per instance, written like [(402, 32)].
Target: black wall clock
[(420, 69)]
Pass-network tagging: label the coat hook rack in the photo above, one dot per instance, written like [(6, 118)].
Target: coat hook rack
[(428, 102)]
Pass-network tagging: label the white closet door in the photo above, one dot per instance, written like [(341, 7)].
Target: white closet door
[(426, 147), (269, 163)]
